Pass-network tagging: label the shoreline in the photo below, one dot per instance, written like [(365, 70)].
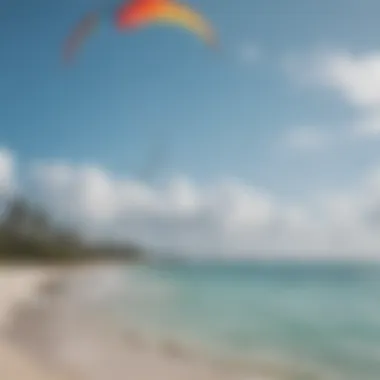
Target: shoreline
[(71, 342), (65, 337), (53, 334)]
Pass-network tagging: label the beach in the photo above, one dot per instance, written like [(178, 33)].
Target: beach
[(45, 335), (268, 322)]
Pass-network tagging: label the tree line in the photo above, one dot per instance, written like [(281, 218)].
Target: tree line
[(29, 233)]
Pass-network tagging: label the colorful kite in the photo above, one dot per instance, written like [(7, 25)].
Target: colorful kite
[(139, 13), (77, 37)]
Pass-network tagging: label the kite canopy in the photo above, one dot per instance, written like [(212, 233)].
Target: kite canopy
[(139, 13)]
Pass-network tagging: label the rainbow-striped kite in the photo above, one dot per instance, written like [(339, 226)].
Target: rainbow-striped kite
[(135, 14)]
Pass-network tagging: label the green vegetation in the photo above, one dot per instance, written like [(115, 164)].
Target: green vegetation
[(28, 234)]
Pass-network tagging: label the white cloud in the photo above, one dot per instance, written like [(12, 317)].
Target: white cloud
[(306, 139), (228, 217), (6, 171), (355, 77)]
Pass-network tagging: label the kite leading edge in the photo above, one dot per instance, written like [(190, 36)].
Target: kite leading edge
[(139, 13)]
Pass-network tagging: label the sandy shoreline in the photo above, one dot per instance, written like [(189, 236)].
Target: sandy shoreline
[(66, 340), (44, 328), (41, 330)]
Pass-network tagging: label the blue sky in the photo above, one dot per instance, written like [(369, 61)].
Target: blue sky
[(222, 116), (225, 115)]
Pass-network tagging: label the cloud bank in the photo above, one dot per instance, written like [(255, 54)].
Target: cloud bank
[(227, 218), (353, 77)]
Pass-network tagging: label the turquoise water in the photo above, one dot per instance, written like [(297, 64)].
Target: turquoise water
[(321, 317)]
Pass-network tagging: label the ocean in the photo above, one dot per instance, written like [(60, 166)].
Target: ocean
[(304, 320)]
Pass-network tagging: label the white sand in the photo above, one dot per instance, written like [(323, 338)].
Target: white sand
[(18, 285), (17, 366), (60, 337)]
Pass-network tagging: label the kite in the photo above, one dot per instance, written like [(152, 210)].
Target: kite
[(80, 33), (139, 13)]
